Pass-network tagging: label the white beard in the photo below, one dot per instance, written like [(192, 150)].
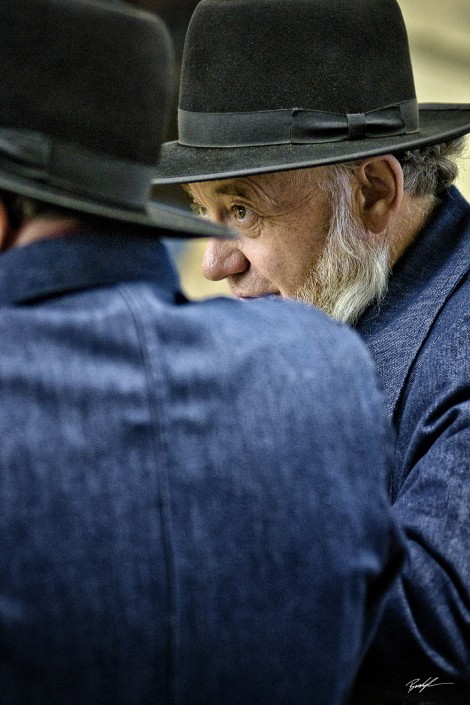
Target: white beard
[(353, 270)]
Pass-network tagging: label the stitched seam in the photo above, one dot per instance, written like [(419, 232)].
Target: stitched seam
[(163, 494)]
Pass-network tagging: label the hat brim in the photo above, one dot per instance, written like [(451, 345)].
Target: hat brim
[(156, 219), (182, 164)]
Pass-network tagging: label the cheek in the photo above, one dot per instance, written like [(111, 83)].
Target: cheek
[(291, 264), (282, 267), (283, 253)]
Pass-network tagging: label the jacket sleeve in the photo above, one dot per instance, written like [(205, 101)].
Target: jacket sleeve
[(425, 630)]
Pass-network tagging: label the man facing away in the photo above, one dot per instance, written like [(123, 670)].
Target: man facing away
[(299, 127), (193, 504)]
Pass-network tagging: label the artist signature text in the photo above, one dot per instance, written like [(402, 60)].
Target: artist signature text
[(428, 683)]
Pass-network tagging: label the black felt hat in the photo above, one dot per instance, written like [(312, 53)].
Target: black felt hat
[(85, 87), (269, 85)]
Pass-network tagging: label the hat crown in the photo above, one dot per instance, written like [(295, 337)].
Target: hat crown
[(343, 56), (97, 74)]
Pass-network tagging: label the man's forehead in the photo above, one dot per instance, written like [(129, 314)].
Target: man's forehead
[(245, 186), (223, 187)]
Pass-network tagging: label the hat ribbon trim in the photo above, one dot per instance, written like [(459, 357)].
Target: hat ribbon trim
[(294, 126), (82, 172)]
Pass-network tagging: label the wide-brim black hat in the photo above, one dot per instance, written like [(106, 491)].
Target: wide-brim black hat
[(85, 88), (271, 85)]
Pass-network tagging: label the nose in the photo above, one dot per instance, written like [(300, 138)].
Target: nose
[(222, 259)]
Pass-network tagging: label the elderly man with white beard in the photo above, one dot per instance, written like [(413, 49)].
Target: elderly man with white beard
[(299, 127), (318, 234)]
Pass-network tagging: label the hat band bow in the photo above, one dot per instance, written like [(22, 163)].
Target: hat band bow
[(296, 126)]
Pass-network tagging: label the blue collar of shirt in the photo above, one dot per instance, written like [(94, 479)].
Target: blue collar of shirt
[(83, 260), (420, 284)]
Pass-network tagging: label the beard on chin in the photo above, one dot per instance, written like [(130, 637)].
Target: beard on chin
[(353, 270)]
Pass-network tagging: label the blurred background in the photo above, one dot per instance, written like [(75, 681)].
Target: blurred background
[(439, 34)]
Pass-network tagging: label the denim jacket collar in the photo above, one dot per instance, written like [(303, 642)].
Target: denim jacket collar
[(82, 260), (421, 283)]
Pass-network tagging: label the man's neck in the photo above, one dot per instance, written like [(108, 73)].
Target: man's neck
[(412, 218)]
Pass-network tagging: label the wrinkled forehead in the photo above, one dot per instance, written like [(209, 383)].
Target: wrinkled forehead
[(222, 187), (270, 185)]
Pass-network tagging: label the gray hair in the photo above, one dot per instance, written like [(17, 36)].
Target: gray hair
[(429, 170)]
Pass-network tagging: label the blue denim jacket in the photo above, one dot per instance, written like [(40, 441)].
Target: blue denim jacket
[(192, 500), (420, 341)]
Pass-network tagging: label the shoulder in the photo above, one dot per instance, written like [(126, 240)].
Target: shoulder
[(285, 345), (298, 330), (278, 322), (262, 344)]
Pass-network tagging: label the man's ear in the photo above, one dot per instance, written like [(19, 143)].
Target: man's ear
[(379, 191), (4, 226)]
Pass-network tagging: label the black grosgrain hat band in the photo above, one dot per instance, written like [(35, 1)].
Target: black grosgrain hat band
[(36, 157), (296, 126)]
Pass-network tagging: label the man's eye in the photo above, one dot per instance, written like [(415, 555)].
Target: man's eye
[(240, 213), (199, 210)]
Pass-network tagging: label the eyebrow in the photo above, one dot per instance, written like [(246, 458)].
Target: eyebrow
[(231, 189)]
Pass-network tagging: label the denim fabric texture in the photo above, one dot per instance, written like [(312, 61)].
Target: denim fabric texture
[(193, 508), (420, 341)]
